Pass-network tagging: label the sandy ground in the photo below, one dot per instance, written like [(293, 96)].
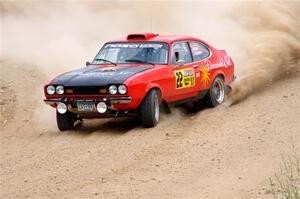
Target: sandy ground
[(226, 152)]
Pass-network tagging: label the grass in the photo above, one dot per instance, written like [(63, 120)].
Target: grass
[(286, 183)]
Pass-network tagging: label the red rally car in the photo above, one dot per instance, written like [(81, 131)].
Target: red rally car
[(133, 75)]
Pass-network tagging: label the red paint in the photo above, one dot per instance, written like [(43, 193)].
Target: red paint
[(162, 76)]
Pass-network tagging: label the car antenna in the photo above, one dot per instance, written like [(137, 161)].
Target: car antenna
[(150, 18)]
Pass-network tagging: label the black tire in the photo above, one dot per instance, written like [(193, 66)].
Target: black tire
[(212, 97), (65, 121), (150, 109)]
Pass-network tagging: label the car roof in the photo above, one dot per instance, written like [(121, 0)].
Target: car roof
[(140, 37)]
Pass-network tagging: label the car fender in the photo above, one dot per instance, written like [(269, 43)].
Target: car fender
[(217, 73), (148, 88), (152, 85)]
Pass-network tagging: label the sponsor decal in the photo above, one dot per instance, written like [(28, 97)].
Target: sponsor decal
[(224, 61), (134, 45), (207, 66), (185, 78), (205, 79), (108, 69)]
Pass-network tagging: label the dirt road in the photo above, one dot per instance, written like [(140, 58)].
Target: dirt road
[(226, 152)]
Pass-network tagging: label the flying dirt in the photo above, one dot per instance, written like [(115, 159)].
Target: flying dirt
[(226, 152), (274, 48)]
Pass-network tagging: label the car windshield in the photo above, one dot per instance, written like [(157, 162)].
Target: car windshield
[(139, 52)]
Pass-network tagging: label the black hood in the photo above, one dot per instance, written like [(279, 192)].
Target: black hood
[(98, 76)]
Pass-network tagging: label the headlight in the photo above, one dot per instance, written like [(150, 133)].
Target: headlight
[(60, 90), (122, 89), (113, 89), (62, 108), (50, 90)]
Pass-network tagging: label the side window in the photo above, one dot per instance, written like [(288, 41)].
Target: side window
[(181, 51), (199, 51)]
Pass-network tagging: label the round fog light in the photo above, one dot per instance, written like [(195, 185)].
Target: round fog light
[(101, 107), (62, 108)]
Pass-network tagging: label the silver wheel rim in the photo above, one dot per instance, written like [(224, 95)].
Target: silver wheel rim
[(156, 108), (219, 91)]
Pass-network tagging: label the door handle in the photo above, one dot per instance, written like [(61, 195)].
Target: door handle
[(195, 66)]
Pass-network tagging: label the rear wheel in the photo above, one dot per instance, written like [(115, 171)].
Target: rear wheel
[(216, 93), (65, 121), (150, 109)]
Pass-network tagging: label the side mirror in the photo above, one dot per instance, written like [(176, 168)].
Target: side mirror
[(179, 63), (87, 63)]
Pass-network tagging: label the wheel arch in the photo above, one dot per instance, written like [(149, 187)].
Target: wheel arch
[(149, 88), (222, 76), (156, 87), (219, 73)]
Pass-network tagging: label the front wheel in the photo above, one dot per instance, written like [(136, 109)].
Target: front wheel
[(216, 92), (65, 121), (150, 109)]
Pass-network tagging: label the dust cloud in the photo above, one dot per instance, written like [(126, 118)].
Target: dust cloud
[(55, 36), (273, 47), (262, 37)]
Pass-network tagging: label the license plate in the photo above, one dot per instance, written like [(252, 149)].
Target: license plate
[(86, 106)]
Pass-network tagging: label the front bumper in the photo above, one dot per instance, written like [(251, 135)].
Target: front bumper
[(119, 100), (108, 101), (111, 102)]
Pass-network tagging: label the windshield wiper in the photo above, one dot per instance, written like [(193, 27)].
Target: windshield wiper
[(106, 61), (139, 61)]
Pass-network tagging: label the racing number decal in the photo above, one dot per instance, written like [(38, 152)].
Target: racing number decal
[(184, 78), (179, 78)]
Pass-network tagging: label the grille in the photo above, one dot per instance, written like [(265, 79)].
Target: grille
[(95, 90)]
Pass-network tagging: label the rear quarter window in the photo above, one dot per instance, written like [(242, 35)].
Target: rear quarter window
[(199, 51)]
